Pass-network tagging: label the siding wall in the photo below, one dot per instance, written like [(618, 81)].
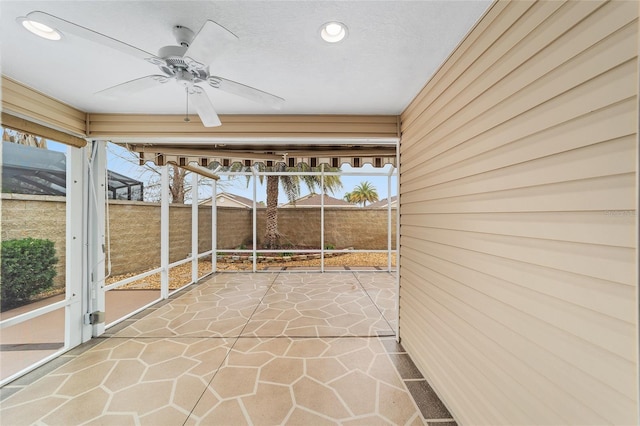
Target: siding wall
[(131, 127), (518, 195)]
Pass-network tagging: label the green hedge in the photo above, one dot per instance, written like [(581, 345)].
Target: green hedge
[(28, 268)]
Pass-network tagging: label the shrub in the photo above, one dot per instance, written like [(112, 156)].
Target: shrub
[(329, 246), (27, 268)]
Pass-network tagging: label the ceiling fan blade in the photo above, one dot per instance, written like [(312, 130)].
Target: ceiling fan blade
[(204, 107), (96, 37), (246, 91), (137, 85), (208, 43)]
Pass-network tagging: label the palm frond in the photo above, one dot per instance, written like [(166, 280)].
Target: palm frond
[(291, 187)]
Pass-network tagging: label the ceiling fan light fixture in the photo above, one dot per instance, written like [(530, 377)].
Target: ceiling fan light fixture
[(40, 29), (333, 32)]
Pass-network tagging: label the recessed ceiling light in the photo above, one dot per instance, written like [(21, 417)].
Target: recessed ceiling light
[(39, 29), (333, 32)]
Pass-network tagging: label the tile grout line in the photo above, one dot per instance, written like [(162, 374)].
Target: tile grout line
[(77, 351), (231, 348), (373, 302)]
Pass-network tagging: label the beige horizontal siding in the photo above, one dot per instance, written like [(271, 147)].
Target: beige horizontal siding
[(120, 126), (23, 102), (495, 149), (26, 126), (518, 203)]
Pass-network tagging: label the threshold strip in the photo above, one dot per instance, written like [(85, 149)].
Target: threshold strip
[(8, 347)]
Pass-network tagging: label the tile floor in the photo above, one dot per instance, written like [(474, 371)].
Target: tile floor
[(269, 348)]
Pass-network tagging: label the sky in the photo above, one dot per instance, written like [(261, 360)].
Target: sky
[(239, 185), (124, 162)]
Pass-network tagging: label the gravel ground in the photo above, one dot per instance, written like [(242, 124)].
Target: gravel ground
[(181, 275)]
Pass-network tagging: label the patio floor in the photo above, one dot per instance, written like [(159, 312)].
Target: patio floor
[(236, 348)]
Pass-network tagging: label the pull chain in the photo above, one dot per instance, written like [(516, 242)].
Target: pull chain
[(186, 117)]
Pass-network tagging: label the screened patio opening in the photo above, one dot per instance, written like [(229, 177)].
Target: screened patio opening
[(33, 170)]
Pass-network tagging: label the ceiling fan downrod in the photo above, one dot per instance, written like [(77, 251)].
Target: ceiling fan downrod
[(186, 117)]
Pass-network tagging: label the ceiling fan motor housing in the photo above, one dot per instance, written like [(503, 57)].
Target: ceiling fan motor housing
[(175, 64), (184, 36)]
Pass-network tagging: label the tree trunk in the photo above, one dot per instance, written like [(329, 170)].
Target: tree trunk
[(176, 187), (272, 236)]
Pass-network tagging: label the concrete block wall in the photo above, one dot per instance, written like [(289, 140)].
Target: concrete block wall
[(235, 227), (134, 229), (364, 229), (359, 228), (43, 217)]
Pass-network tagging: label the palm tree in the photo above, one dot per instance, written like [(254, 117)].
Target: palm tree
[(362, 193), (291, 185)]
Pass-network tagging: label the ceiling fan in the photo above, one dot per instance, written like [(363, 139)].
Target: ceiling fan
[(187, 63)]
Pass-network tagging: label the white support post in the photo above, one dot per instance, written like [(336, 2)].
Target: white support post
[(77, 330), (194, 227), (389, 220), (322, 217), (95, 231), (214, 226), (164, 232), (255, 220), (398, 243)]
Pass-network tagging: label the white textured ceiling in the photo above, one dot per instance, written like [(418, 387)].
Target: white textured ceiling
[(392, 49)]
